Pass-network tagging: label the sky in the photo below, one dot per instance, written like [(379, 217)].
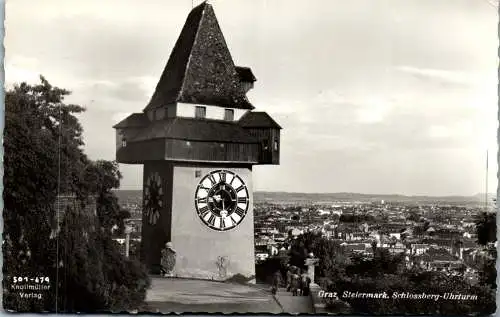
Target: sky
[(374, 96)]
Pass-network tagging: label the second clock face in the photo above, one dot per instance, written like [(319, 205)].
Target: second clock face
[(221, 200), (153, 197)]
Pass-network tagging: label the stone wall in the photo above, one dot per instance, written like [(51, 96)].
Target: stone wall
[(319, 305)]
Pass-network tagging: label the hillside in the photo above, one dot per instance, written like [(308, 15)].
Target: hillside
[(136, 195)]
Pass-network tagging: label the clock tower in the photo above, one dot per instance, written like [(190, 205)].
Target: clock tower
[(198, 138)]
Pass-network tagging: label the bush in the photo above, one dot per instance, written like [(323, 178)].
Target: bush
[(386, 272), (97, 276), (264, 271)]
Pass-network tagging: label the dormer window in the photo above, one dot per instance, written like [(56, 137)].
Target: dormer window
[(200, 112), (229, 114)]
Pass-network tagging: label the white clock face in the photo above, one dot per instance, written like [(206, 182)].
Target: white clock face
[(221, 200), (153, 198)]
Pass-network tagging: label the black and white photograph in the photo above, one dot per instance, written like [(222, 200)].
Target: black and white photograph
[(250, 156)]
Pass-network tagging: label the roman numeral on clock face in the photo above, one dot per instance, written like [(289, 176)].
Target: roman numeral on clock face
[(203, 211), (205, 188), (222, 176), (241, 200), (211, 220), (229, 222), (233, 222), (240, 212), (202, 199), (240, 188), (235, 219), (212, 179)]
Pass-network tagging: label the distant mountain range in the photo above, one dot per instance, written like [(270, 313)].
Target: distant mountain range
[(333, 197)]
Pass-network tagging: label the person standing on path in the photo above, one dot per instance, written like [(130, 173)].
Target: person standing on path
[(295, 284), (289, 278), (168, 256), (276, 282), (305, 283)]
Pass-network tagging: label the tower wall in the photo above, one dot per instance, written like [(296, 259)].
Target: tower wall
[(156, 232), (201, 252)]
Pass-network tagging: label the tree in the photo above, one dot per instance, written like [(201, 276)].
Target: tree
[(94, 275), (265, 270), (41, 137), (332, 258), (44, 157), (414, 215), (486, 227), (386, 272), (486, 235), (101, 177)]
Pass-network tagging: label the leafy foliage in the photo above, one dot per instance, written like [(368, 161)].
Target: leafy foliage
[(486, 228), (387, 273), (95, 276), (311, 242), (44, 157), (264, 271)]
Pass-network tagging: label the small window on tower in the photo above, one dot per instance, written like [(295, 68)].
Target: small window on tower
[(275, 145), (265, 145), (200, 112), (124, 142), (228, 114)]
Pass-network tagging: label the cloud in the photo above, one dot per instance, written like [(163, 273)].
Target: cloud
[(125, 90), (440, 75), (405, 119), (439, 132), (15, 75), (20, 68), (372, 96)]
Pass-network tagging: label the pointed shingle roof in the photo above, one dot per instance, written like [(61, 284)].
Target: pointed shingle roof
[(245, 74), (200, 69), (135, 120), (257, 119)]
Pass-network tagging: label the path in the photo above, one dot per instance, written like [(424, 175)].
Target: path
[(186, 295), (294, 304)]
